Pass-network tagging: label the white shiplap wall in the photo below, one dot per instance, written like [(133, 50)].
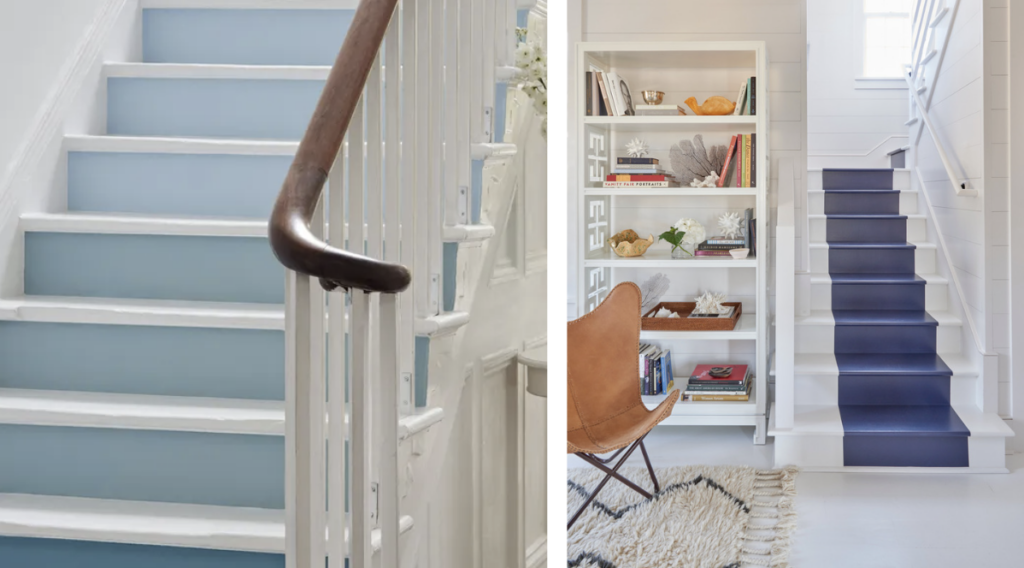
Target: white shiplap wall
[(779, 23), (847, 126)]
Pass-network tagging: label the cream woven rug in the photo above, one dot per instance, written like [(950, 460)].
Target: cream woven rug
[(703, 517)]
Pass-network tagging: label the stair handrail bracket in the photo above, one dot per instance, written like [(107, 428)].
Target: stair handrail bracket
[(291, 238)]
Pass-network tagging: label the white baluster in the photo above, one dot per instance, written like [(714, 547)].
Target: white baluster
[(489, 47), (452, 213), (465, 106), (390, 344), (337, 432), (304, 406), (476, 71), (425, 302), (435, 150), (407, 324)]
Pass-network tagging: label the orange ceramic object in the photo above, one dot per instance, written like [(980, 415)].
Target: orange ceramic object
[(713, 106)]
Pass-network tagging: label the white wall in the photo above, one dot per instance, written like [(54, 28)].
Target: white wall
[(1016, 208), (36, 40), (781, 24), (850, 123)]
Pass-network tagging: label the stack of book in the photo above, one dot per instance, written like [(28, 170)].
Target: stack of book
[(719, 246), (746, 101), (655, 369), (659, 110), (607, 94), (702, 387), (740, 167), (639, 172)]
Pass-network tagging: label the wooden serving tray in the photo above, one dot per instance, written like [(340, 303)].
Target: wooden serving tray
[(683, 323)]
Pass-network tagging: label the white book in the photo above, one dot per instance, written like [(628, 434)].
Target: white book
[(623, 98), (609, 86), (740, 97)]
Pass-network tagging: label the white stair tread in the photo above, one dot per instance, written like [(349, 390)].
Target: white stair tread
[(825, 420), (507, 73), (826, 278), (136, 224), (907, 215), (217, 71), (825, 364), (165, 145), (118, 311), (896, 190), (467, 233), (492, 150), (149, 523), (825, 317), (441, 324), (142, 412), (856, 169), (254, 4), (824, 245)]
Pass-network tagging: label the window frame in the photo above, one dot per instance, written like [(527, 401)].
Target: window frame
[(863, 21)]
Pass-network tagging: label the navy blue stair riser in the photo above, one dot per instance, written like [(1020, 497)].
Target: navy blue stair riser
[(857, 179), (906, 451), (910, 296), (218, 108), (891, 363), (871, 260), (160, 267), (885, 339), (143, 465), (54, 553), (212, 185), (244, 37), (910, 390), (172, 361), (881, 230), (862, 203)]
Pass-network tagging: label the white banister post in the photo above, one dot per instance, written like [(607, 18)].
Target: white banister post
[(464, 109), (421, 148), (476, 69), (388, 406), (435, 156), (453, 214), (361, 498), (785, 294), (337, 431), (407, 188), (490, 44)]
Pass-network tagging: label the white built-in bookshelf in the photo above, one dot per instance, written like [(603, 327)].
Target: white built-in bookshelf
[(681, 70)]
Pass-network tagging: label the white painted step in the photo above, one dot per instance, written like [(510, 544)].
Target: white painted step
[(815, 333), (168, 413), (924, 257), (467, 233), (138, 224), (217, 71), (917, 227), (900, 180), (175, 313), (164, 145), (816, 378), (816, 202), (150, 523), (815, 442), (936, 292)]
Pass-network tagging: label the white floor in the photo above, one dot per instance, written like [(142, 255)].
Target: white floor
[(856, 520)]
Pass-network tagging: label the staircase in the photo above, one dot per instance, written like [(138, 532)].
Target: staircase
[(143, 369), (879, 378)]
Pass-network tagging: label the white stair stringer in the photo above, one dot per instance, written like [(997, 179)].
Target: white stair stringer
[(214, 527)]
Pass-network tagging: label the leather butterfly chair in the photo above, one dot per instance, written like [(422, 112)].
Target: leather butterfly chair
[(605, 410)]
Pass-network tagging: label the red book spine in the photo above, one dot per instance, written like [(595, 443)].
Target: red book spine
[(636, 177), (728, 158)]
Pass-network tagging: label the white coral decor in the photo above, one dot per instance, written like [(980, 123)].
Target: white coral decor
[(694, 231), (710, 303), (729, 224), (710, 181)]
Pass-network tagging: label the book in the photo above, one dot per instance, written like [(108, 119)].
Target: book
[(746, 161), (605, 85), (739, 160), (702, 374), (742, 387), (708, 246), (636, 177), (717, 253), (720, 397), (728, 158), (753, 160), (659, 110), (590, 93), (740, 98), (634, 161), (724, 241), (748, 214), (746, 105), (634, 184), (752, 97), (633, 171), (620, 92)]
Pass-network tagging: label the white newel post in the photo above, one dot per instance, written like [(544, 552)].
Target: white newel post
[(785, 297)]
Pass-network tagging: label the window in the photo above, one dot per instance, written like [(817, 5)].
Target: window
[(886, 37)]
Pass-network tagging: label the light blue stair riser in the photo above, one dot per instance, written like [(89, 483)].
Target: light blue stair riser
[(215, 269), (218, 108), (244, 37), (871, 260), (174, 361), (871, 230), (215, 185), (477, 190), (143, 465), (500, 111), (53, 553), (910, 390), (862, 202), (450, 265), (910, 296), (857, 179), (885, 338), (422, 370)]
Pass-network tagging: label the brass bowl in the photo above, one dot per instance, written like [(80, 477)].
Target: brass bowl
[(653, 97)]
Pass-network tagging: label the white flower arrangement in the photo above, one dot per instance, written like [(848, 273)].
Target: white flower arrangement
[(695, 233), (533, 62)]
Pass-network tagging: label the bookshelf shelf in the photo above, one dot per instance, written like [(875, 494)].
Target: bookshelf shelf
[(680, 70)]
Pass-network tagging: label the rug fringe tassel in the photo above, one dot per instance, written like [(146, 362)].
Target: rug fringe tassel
[(780, 487)]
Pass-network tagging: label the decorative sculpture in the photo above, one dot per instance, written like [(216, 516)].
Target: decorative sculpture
[(636, 148), (713, 106), (710, 303), (627, 243), (731, 225), (710, 181), (651, 292)]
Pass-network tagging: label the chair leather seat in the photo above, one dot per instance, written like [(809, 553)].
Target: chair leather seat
[(621, 430)]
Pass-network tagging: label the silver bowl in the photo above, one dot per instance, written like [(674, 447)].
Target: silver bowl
[(653, 97)]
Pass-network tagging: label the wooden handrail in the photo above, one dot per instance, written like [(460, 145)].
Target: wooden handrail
[(291, 238)]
